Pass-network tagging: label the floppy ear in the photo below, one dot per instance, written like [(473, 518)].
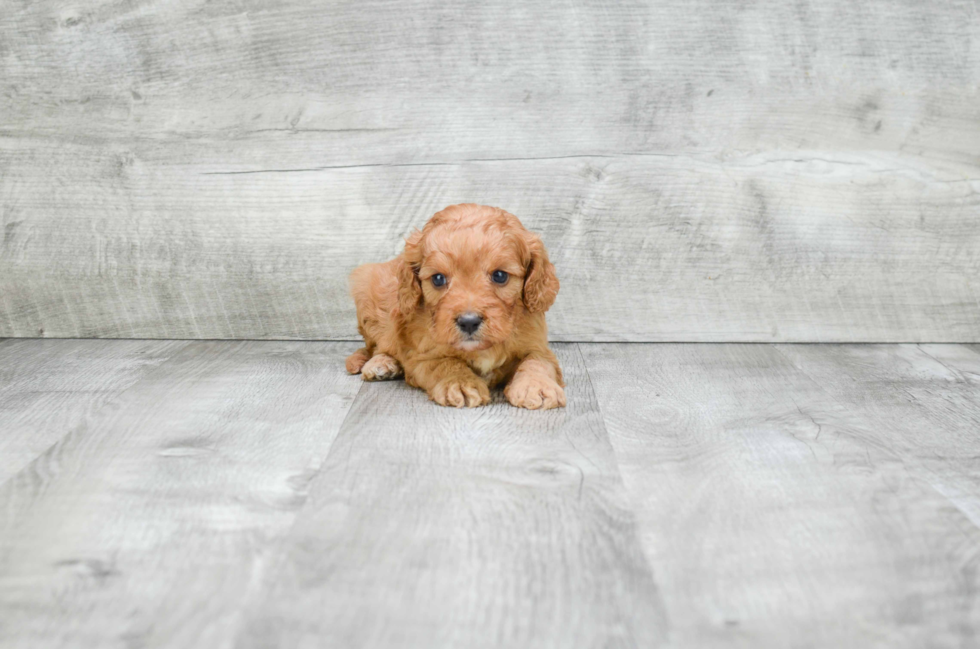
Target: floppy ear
[(540, 280), (409, 285)]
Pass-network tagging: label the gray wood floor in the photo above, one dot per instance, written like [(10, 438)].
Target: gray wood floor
[(251, 494)]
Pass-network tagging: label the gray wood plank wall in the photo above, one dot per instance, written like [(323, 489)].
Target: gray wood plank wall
[(708, 172)]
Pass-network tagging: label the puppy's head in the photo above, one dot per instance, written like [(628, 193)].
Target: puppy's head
[(477, 271)]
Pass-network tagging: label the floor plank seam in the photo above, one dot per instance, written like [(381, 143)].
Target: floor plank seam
[(276, 549), (619, 471)]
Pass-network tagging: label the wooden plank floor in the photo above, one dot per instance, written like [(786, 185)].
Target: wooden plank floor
[(251, 494)]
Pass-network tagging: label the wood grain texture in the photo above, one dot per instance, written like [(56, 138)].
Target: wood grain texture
[(489, 527), (744, 495), (758, 172), (149, 525), (49, 388), (926, 398), (775, 515)]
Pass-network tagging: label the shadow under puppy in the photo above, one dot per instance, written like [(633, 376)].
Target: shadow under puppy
[(461, 311)]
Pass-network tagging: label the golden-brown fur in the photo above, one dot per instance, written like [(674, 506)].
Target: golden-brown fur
[(410, 326)]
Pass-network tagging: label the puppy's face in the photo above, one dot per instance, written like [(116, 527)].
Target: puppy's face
[(476, 271)]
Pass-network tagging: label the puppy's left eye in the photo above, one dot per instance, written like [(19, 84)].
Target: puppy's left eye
[(499, 277)]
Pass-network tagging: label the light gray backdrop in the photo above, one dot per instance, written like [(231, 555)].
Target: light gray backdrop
[(702, 171)]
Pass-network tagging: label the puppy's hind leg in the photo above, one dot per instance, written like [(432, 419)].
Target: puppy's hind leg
[(381, 367), (356, 361)]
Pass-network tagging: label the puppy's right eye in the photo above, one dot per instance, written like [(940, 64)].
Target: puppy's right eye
[(438, 280)]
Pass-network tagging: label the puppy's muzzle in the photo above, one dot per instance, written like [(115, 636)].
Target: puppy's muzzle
[(469, 322)]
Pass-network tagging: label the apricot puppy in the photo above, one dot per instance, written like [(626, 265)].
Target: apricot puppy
[(461, 311)]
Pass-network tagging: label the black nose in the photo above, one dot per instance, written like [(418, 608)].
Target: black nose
[(469, 322)]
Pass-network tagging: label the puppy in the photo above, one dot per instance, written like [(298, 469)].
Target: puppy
[(461, 311)]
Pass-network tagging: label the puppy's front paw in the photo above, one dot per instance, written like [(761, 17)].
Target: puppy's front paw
[(356, 361), (534, 392), (466, 392), (381, 367)]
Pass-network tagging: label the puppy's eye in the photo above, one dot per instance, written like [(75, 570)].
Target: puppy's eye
[(438, 280), (499, 277)]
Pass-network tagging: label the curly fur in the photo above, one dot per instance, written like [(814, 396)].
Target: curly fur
[(409, 324)]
